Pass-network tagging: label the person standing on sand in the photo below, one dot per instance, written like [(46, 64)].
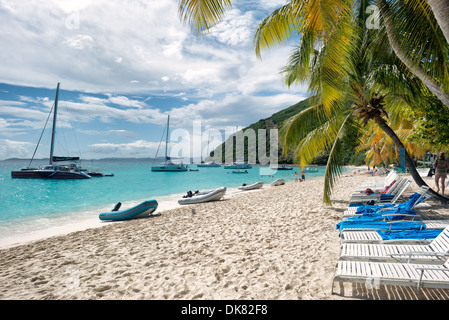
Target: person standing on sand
[(303, 175), (441, 166), (296, 176)]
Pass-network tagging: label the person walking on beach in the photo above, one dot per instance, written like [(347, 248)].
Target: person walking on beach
[(296, 176), (303, 175), (441, 166)]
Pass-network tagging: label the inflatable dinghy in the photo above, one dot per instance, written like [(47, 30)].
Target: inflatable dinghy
[(278, 182), (139, 211), (205, 196), (253, 186)]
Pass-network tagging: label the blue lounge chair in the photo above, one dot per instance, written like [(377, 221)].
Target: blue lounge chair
[(415, 199), (381, 225)]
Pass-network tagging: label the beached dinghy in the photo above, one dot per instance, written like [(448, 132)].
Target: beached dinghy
[(253, 186), (278, 182), (205, 196), (141, 210)]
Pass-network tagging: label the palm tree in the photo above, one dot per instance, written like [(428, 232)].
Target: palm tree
[(330, 61), (380, 148), (337, 75), (423, 49)]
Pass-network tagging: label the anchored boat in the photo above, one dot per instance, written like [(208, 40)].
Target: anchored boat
[(52, 170), (168, 165)]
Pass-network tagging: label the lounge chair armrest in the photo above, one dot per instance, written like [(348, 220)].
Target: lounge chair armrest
[(419, 253), (431, 269), (428, 269), (414, 241), (398, 214), (399, 221)]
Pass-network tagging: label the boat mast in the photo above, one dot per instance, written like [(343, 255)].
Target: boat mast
[(166, 138), (54, 125)]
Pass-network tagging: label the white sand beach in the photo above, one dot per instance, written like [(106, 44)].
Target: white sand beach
[(274, 243)]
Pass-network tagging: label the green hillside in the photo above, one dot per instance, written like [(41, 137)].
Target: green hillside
[(276, 121)]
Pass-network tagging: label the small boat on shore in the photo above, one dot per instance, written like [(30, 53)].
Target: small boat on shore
[(253, 186), (204, 196), (141, 210), (278, 182)]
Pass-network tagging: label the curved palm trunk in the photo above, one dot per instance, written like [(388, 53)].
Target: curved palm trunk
[(433, 86), (408, 161), (440, 9)]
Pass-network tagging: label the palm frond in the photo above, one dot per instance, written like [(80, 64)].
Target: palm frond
[(203, 14), (348, 130), (276, 29)]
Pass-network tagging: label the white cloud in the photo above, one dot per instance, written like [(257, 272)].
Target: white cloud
[(235, 29), (16, 149), (139, 148), (120, 49), (80, 42)]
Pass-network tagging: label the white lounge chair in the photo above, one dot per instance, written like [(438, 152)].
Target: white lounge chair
[(434, 252), (380, 182), (390, 189), (391, 197), (349, 236), (377, 185), (403, 274)]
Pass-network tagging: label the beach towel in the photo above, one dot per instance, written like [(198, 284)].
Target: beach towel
[(406, 205), (380, 225), (409, 234)]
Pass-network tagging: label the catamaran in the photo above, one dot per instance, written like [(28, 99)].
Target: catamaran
[(207, 164), (53, 171), (238, 165), (168, 165)]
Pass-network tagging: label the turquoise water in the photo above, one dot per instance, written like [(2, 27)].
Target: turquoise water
[(33, 204)]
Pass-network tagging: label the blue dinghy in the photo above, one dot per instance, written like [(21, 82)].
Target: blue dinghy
[(139, 211)]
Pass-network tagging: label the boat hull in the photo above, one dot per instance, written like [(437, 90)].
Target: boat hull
[(207, 196), (48, 174), (143, 209), (253, 186), (238, 166), (278, 182), (168, 169), (212, 165)]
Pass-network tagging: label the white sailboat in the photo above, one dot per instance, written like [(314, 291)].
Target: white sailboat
[(52, 170), (168, 165), (207, 164)]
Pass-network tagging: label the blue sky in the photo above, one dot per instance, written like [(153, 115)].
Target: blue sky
[(123, 67)]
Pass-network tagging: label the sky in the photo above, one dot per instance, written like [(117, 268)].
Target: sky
[(123, 67)]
